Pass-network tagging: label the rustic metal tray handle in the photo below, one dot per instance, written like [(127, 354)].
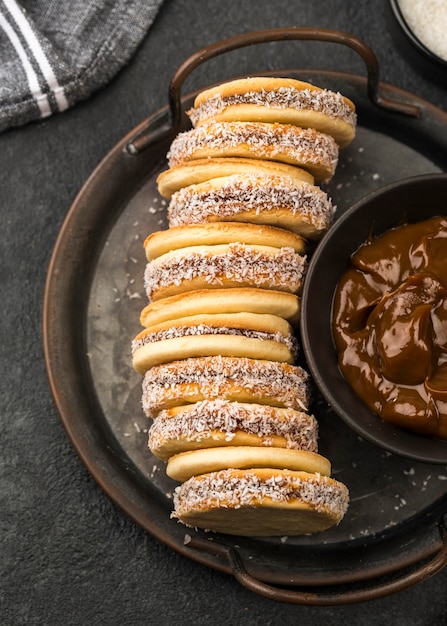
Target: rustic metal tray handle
[(321, 598), (149, 137)]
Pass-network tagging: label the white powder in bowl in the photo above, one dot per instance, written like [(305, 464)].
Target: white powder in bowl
[(428, 21)]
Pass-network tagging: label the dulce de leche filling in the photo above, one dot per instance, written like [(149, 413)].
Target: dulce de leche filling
[(390, 326)]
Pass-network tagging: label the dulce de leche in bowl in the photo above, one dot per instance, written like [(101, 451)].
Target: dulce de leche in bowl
[(374, 317), (390, 325)]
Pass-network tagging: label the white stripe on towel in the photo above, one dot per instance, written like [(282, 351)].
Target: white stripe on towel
[(40, 98), (38, 53)]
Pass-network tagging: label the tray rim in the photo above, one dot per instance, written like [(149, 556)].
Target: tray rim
[(52, 357)]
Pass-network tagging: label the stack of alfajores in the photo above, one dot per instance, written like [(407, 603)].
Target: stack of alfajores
[(218, 352)]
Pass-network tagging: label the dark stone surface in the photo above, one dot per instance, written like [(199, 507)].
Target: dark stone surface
[(67, 554)]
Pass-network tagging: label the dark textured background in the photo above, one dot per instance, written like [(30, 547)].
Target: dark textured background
[(67, 554)]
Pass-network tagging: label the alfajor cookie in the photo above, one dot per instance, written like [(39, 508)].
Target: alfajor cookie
[(183, 466), (201, 170), (254, 335), (217, 423), (261, 502), (224, 266), (211, 301), (282, 100), (278, 201), (306, 148), (238, 379)]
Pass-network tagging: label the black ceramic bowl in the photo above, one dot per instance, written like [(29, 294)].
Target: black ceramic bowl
[(433, 62), (410, 200)]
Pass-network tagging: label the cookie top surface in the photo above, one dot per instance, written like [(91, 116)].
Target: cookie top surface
[(190, 235), (233, 300), (183, 466)]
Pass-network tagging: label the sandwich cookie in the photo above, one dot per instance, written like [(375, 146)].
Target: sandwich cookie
[(306, 148), (238, 379), (183, 466), (217, 423), (261, 502), (211, 301), (258, 336), (283, 100), (201, 170), (279, 201), (223, 255)]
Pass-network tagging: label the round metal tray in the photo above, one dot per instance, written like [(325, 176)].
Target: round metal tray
[(393, 534)]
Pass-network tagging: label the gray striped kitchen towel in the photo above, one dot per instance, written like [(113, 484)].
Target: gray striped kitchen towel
[(54, 53)]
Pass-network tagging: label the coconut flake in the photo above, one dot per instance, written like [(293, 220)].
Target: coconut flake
[(217, 376), (224, 488), (240, 263), (329, 103), (299, 429), (248, 192), (303, 145)]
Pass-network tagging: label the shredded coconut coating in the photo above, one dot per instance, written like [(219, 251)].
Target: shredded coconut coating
[(289, 341), (323, 101), (304, 145), (225, 489), (217, 377), (246, 192), (240, 263), (299, 429)]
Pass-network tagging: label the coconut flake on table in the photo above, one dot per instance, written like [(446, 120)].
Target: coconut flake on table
[(428, 21)]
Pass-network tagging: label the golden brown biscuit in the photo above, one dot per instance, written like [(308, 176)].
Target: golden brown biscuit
[(261, 502), (201, 170), (184, 465), (189, 235), (228, 378), (213, 423), (283, 100), (306, 148), (250, 300)]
